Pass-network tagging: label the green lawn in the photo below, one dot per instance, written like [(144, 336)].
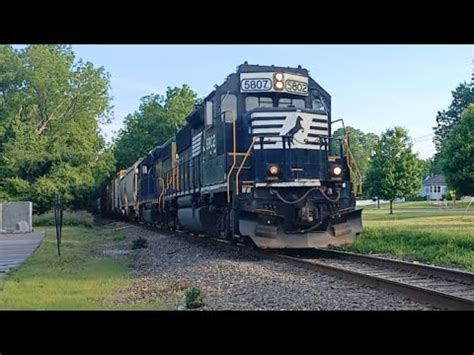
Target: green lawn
[(425, 205), (430, 235), (80, 279)]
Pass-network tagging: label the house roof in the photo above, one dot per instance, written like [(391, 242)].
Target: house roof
[(436, 179)]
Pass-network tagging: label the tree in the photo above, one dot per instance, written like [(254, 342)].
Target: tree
[(395, 170), (156, 120), (463, 95), (50, 108), (362, 146), (457, 154), (426, 167)]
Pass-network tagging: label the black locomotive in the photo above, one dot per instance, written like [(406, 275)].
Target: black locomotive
[(255, 160)]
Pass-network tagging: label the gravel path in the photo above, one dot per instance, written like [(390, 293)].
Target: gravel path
[(234, 281)]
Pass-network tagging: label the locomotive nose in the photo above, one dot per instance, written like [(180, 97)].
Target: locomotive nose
[(292, 142)]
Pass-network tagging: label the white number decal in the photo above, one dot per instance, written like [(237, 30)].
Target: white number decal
[(256, 85), (296, 86)]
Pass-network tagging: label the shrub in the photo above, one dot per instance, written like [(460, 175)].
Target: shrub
[(194, 298), (140, 243), (119, 237), (415, 198), (70, 218)]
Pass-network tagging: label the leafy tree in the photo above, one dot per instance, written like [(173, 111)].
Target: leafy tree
[(436, 167), (457, 154), (50, 108), (362, 146), (463, 95), (431, 166), (156, 120), (426, 167), (395, 170)]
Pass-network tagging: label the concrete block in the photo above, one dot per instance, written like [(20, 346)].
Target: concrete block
[(16, 216), (23, 227)]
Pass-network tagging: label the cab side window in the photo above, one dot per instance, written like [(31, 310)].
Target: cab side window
[(209, 113), (229, 107)]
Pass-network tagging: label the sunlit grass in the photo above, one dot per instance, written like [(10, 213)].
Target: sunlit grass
[(440, 237), (430, 205), (79, 279)]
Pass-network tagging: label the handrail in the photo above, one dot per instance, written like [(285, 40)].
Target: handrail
[(357, 182), (234, 156), (162, 191), (241, 166)]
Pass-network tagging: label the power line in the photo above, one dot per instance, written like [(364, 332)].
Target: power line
[(423, 138)]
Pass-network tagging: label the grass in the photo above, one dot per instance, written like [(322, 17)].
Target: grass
[(435, 236), (424, 205), (79, 279)]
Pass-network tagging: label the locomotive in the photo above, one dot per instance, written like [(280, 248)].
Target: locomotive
[(255, 161)]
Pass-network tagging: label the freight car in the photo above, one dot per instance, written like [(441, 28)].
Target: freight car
[(256, 160)]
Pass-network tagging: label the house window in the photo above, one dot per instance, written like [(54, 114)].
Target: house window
[(431, 189)]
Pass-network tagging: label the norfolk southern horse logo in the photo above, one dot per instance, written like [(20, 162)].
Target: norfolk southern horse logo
[(297, 127)]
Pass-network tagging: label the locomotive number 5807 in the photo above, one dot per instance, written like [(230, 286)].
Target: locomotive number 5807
[(256, 85)]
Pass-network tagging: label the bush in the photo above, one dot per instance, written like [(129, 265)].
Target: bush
[(194, 298), (140, 243), (16, 188), (416, 198), (119, 237), (70, 218)]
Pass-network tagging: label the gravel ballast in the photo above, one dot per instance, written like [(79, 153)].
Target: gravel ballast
[(233, 280)]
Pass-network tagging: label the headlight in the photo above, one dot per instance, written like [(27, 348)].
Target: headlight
[(273, 170), (337, 171), (278, 81)]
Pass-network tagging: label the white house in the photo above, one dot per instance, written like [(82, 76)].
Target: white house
[(434, 188)]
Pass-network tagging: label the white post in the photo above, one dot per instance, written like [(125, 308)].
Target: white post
[(468, 205)]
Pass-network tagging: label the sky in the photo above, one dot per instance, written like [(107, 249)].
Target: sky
[(373, 87)]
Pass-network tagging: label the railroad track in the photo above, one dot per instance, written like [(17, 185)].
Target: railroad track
[(441, 287)]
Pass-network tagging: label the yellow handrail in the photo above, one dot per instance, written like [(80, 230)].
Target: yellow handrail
[(241, 166), (355, 176), (234, 155), (162, 190)]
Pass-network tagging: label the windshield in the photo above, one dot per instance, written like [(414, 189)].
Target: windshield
[(318, 104), (253, 102)]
